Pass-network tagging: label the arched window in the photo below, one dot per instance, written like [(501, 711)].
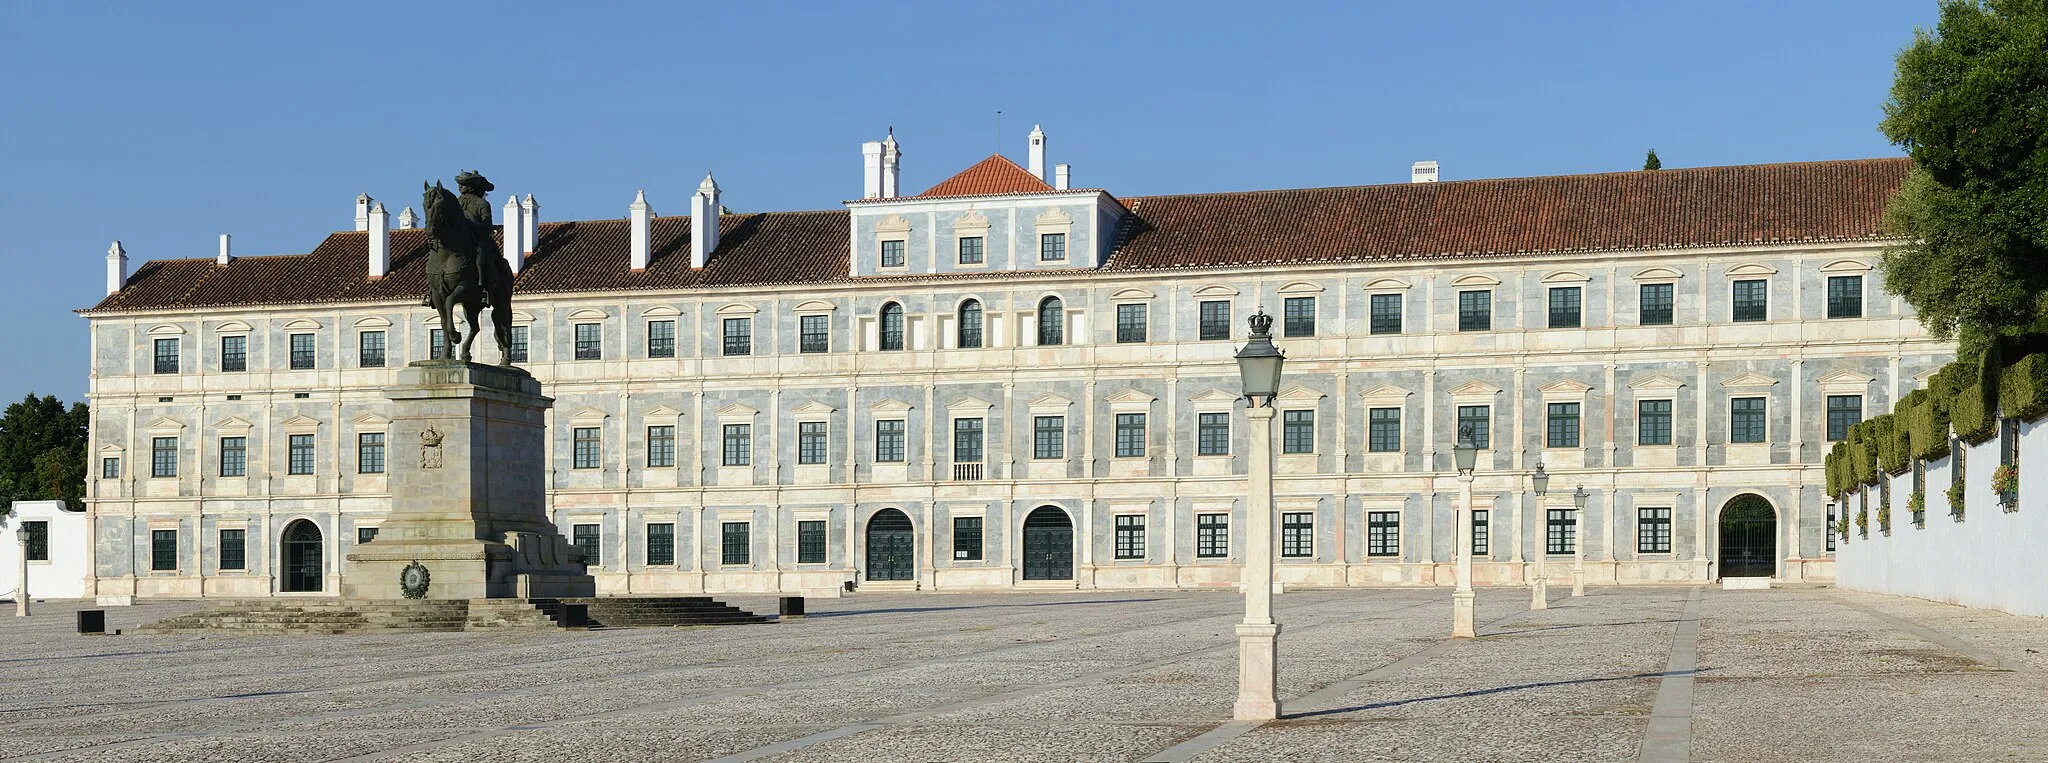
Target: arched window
[(892, 326), (970, 324), (1052, 322)]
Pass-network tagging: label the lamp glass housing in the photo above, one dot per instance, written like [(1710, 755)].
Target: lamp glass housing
[(1579, 497), (1540, 480), (1261, 374)]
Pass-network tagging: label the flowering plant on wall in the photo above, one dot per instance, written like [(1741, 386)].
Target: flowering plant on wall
[(1918, 506), (2006, 482), (1884, 516), (1842, 527), (1955, 500), (1862, 523)]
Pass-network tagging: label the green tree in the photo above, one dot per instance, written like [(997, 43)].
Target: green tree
[(1651, 162), (42, 451), (1970, 105)]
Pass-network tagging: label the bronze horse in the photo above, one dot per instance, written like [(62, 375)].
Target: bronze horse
[(461, 270)]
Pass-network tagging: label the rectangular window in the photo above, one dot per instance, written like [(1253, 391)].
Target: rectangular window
[(1563, 425), (1564, 307), (365, 534), (1212, 434), (234, 352), (736, 544), (1215, 319), (1746, 420), (1299, 316), (661, 446), (1383, 533), (1958, 463), (815, 333), (519, 334), (661, 339), (971, 250), (810, 541), (1297, 534), (739, 336), (302, 351), (110, 468), (589, 448), (1564, 531), (1130, 536), (163, 457), (1480, 418), (1383, 430), (1386, 313), (299, 452), (1048, 437), (967, 438), (1830, 548), (739, 445), (1653, 531), (1297, 431), (1655, 306), (1751, 300), (586, 538), (661, 544), (234, 549), (1653, 422), (1482, 533), (370, 349), (37, 537), (1052, 247), (163, 550), (590, 341), (166, 356), (967, 539), (1844, 411), (1475, 311), (1845, 296), (437, 343), (234, 456), (889, 441), (370, 453), (1130, 435), (812, 442), (892, 254), (1212, 536), (1130, 323)]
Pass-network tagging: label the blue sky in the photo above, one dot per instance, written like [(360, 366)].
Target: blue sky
[(166, 124)]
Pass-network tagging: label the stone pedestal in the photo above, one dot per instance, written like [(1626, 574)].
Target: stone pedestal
[(466, 456)]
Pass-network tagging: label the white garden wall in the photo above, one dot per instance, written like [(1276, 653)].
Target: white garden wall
[(63, 575), (1991, 558)]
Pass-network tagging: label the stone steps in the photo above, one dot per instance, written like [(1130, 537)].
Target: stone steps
[(374, 616)]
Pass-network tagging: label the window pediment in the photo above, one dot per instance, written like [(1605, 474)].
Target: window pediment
[(1216, 291), (1565, 277), (166, 329), (1387, 284), (1845, 267), (660, 311), (812, 410), (890, 406), (1214, 400), (1130, 401), (232, 424), (370, 421), (588, 417), (1050, 403), (1475, 281), (1474, 389), (969, 405), (1565, 390), (1656, 383), (166, 426), (971, 222), (302, 324), (815, 306), (1054, 217), (661, 412), (1844, 382), (522, 318), (301, 424), (738, 310), (588, 314), (1658, 274), (1386, 395), (238, 327), (1749, 379), (1299, 396), (1751, 270), (892, 224), (1130, 295), (1300, 287)]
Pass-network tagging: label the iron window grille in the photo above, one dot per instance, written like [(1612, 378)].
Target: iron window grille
[(1653, 422), (365, 534), (739, 445), (971, 250), (1297, 534), (1480, 419), (110, 468), (661, 446), (892, 326), (1386, 314), (1130, 536), (1212, 536), (1751, 301), (166, 356), (370, 452), (1564, 307), (1845, 296), (1564, 531), (739, 336), (810, 541), (37, 539), (1832, 518), (889, 441), (234, 549), (1920, 489), (1130, 323), (1215, 319), (1052, 322), (519, 334), (1562, 425), (1212, 434), (892, 253), (661, 339), (370, 349), (1482, 533), (1844, 411), (163, 550), (967, 539), (1130, 435), (590, 341), (970, 325), (1297, 431), (1048, 437), (1475, 311), (967, 441), (234, 456), (1383, 533), (736, 543), (1052, 247), (1655, 304), (302, 351), (1746, 420), (815, 333), (163, 457), (437, 343), (1383, 430), (588, 452), (1958, 464), (299, 452), (234, 352), (1298, 316), (1653, 530), (586, 538), (812, 442), (661, 544)]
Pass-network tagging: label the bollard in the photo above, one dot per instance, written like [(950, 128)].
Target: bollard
[(850, 586), (92, 622), (792, 607), (574, 616)]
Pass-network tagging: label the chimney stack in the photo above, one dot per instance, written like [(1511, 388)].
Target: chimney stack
[(515, 229), (363, 211), (117, 268), (1060, 174), (891, 161), (530, 210), (407, 220), (1423, 172), (225, 256), (871, 170), (642, 217), (1038, 152), (380, 242), (704, 211)]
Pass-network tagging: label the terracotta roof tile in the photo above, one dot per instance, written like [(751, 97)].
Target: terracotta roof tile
[(988, 177)]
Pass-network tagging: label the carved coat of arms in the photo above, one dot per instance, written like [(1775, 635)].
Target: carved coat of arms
[(430, 448)]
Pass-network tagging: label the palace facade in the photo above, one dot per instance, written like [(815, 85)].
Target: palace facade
[(1008, 382)]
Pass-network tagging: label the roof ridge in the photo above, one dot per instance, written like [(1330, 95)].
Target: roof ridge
[(1513, 178)]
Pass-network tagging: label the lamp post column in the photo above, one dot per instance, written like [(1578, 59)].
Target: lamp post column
[(21, 589), (1578, 551), (1462, 599), (1539, 588), (1257, 682)]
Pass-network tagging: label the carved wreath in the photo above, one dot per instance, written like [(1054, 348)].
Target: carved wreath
[(414, 579)]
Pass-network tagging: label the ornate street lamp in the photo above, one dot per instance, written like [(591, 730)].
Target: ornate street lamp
[(1579, 541), (1465, 455), (21, 588), (1259, 363), (1539, 586)]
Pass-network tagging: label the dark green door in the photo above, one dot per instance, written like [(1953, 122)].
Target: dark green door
[(892, 547), (1749, 538), (303, 569), (1048, 545)]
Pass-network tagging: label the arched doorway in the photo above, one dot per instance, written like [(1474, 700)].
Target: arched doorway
[(303, 566), (1048, 545), (892, 546), (1749, 538)]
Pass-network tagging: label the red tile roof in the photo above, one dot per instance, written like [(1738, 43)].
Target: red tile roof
[(1709, 206), (988, 177)]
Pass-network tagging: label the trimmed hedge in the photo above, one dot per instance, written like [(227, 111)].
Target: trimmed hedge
[(1927, 425), (1894, 453), (1837, 482), (1973, 391), (1862, 460), (2023, 388)]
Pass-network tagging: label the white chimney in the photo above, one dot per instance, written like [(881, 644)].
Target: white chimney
[(117, 268), (1037, 152), (362, 211), (1060, 174), (642, 230), (225, 256), (515, 229), (704, 220), (407, 220), (530, 210), (891, 160), (380, 242), (1423, 172), (871, 170)]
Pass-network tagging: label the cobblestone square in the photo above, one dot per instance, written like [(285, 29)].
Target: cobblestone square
[(1797, 674)]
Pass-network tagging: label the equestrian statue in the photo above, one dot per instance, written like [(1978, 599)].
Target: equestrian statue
[(465, 266)]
